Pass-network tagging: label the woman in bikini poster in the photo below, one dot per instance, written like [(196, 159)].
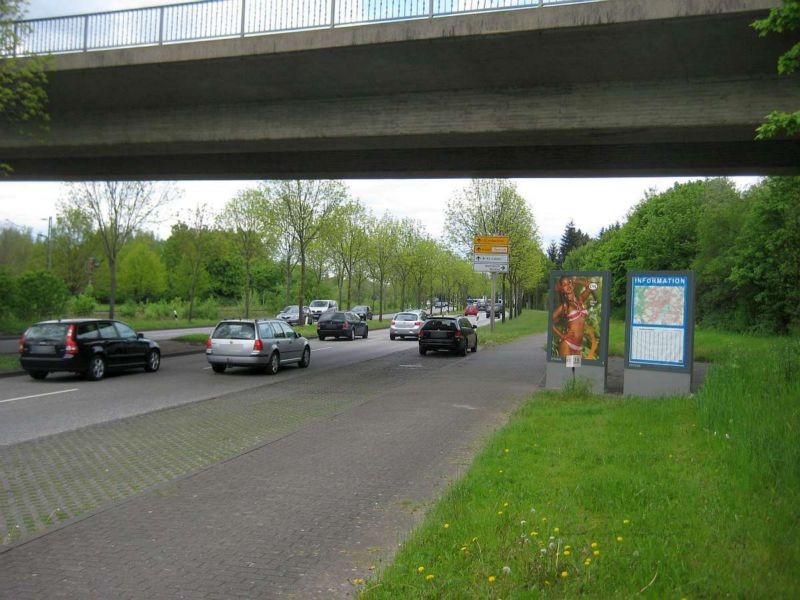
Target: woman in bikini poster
[(576, 317)]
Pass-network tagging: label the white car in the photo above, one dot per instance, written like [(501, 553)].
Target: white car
[(317, 307)]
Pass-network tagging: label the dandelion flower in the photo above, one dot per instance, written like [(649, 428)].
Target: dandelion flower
[(534, 533), (546, 582), (543, 551), (506, 570), (446, 525), (523, 523), (567, 547), (499, 512), (506, 450), (564, 574), (372, 567), (533, 510), (428, 577), (556, 530), (596, 552), (500, 471), (491, 578), (357, 581), (619, 538), (626, 522), (594, 544), (567, 552), (420, 569), (463, 548), (587, 562), (505, 504), (544, 519)]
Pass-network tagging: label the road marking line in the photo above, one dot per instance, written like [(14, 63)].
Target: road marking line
[(39, 395), (323, 348)]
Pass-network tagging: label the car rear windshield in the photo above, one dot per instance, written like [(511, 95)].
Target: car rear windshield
[(235, 331), (407, 317), (318, 303), (291, 309), (332, 316), (440, 325), (47, 331)]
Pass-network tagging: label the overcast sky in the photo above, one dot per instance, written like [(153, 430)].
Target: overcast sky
[(591, 203)]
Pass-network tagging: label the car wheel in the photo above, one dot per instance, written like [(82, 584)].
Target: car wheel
[(153, 361), (306, 359), (352, 335), (97, 368), (274, 364), (463, 351), (475, 346), (391, 336), (38, 374), (218, 368), (366, 333), (322, 338), (422, 350)]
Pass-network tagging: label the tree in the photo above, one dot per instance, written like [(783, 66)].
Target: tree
[(348, 239), (188, 246), (73, 247), (23, 97), (552, 253), (571, 239), (246, 218), (781, 19), (303, 207), (118, 210), (383, 240), (142, 275), (40, 294), (17, 252)]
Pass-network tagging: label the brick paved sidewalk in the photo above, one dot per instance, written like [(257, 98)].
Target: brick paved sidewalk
[(315, 504)]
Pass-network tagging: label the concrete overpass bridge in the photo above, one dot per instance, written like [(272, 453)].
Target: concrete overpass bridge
[(606, 88)]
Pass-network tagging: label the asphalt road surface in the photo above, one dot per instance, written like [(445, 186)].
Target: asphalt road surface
[(31, 409)]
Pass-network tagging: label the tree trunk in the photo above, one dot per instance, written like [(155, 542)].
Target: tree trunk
[(302, 292), (112, 300), (289, 281)]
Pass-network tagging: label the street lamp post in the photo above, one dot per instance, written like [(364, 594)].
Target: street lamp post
[(49, 241)]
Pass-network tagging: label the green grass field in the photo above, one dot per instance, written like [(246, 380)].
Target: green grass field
[(610, 497)]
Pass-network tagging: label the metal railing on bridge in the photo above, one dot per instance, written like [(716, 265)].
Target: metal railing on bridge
[(211, 19)]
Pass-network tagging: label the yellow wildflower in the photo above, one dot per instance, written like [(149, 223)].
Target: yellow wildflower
[(567, 552), (357, 581), (556, 530), (594, 544), (428, 577), (499, 512), (491, 578), (619, 538), (534, 533), (596, 552), (626, 522), (564, 574), (506, 450), (420, 569), (446, 525), (505, 504)]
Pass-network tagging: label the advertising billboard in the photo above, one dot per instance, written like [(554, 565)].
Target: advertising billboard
[(579, 310), (660, 315)]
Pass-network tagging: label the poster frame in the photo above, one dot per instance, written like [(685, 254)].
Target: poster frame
[(688, 318), (605, 300)]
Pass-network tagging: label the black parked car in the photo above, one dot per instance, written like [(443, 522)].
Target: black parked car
[(454, 334), (87, 346), (363, 311), (341, 324)]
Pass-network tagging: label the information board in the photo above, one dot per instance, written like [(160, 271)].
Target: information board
[(660, 319)]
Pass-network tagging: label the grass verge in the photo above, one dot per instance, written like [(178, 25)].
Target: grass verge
[(618, 497), (9, 362), (529, 322)]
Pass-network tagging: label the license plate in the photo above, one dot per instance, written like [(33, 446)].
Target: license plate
[(43, 349)]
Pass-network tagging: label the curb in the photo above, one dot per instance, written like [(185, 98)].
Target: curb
[(7, 374)]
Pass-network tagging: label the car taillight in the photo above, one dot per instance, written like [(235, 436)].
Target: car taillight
[(258, 346), (458, 334), (72, 347), (421, 333), (345, 325), (22, 343), (393, 322), (208, 343), (417, 323)]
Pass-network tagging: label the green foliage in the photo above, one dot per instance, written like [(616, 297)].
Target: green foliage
[(8, 294), (142, 275), (23, 82), (766, 269), (83, 305), (781, 19), (41, 295)]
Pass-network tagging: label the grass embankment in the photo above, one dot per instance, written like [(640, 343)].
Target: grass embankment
[(616, 497), (9, 362), (529, 322)]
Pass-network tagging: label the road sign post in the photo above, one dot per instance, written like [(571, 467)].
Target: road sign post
[(490, 255)]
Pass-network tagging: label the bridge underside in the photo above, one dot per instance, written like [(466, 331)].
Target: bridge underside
[(604, 89)]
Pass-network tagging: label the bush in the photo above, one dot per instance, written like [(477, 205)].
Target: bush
[(8, 294), (207, 309), (128, 310), (83, 305), (41, 294)]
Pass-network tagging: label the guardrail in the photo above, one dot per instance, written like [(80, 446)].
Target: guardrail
[(210, 19)]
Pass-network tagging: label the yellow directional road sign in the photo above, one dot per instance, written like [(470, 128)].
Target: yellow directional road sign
[(491, 240), (490, 249)]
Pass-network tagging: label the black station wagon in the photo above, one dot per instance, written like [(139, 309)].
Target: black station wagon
[(87, 346)]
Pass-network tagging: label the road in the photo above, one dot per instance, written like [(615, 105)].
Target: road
[(31, 409)]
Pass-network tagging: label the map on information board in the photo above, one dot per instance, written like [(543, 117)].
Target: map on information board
[(658, 310), (659, 305)]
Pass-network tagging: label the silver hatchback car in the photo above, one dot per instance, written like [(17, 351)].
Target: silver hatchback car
[(265, 344), (407, 324)]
